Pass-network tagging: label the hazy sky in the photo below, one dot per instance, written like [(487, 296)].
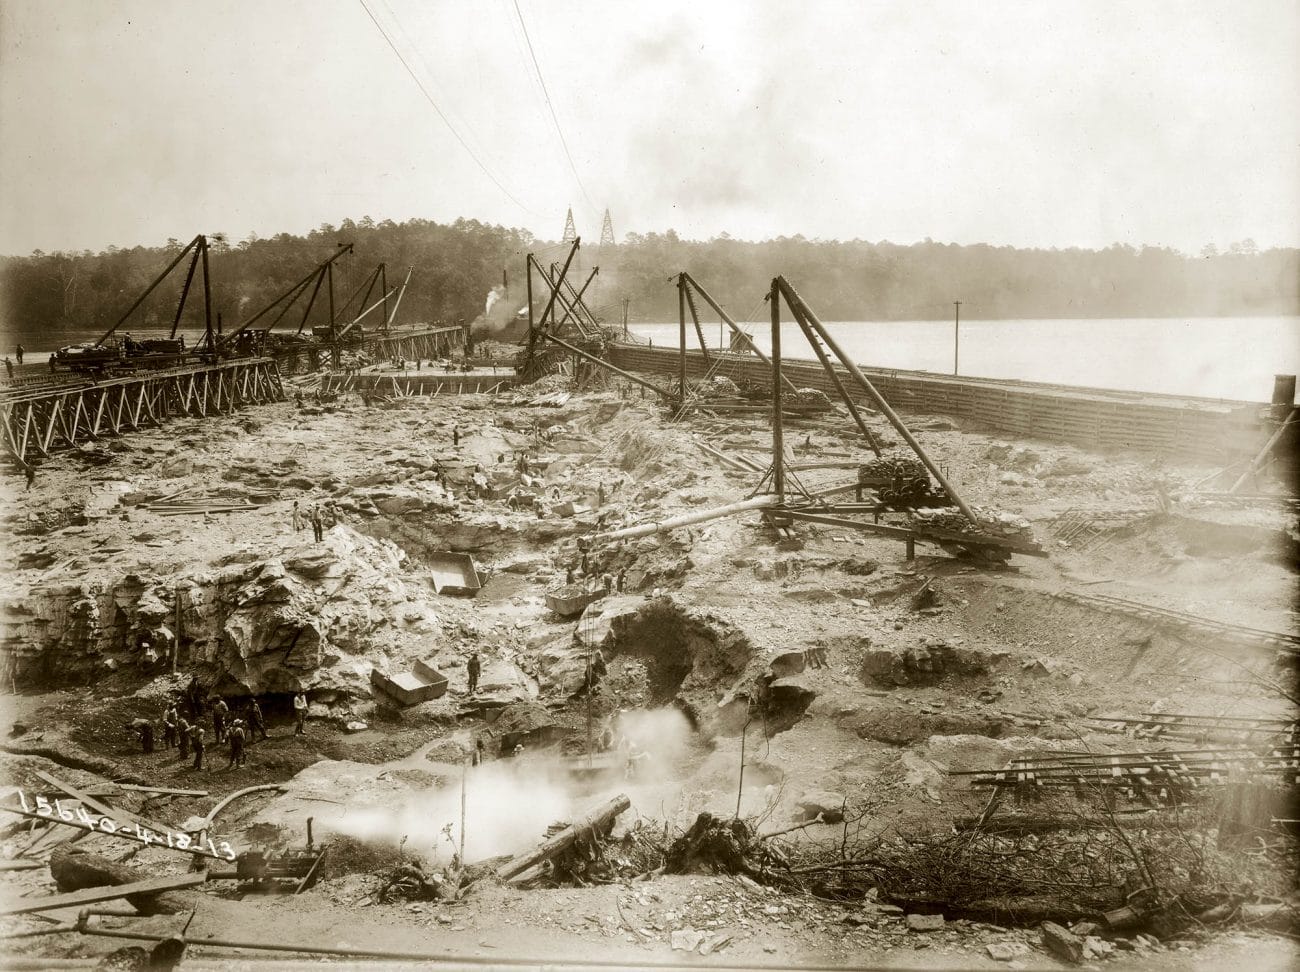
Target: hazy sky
[(1026, 123)]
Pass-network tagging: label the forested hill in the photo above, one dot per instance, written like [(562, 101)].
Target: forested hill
[(457, 264)]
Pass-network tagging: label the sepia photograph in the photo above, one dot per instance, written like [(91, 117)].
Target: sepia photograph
[(569, 485)]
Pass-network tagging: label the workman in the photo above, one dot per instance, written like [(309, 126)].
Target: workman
[(183, 736), (568, 574), (473, 669), (635, 757), (299, 714), (170, 715), (600, 495), (219, 712), (144, 729), (317, 522), (18, 353), (236, 736), (620, 579), (595, 670), (455, 435), (607, 579), (9, 366), (256, 721), (297, 517), (30, 470), (196, 741)]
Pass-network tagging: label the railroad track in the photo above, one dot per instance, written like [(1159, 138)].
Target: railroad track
[(1145, 773), (1282, 642), (1173, 725)]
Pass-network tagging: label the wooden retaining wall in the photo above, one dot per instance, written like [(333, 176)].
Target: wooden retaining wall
[(1203, 428)]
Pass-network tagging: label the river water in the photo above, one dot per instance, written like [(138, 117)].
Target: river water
[(1211, 357)]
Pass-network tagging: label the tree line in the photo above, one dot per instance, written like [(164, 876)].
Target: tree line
[(457, 264), (859, 280)]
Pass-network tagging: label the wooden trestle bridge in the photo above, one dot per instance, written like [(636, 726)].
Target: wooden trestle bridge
[(40, 419), (39, 422)]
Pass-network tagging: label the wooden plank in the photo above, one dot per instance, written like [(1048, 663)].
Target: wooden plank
[(103, 808), (75, 899)]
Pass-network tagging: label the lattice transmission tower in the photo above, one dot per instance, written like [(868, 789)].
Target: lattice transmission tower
[(607, 230), (570, 231)]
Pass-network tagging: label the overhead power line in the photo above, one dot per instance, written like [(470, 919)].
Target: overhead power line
[(551, 107), (445, 120)]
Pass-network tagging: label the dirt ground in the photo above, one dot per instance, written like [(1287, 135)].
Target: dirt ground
[(706, 608)]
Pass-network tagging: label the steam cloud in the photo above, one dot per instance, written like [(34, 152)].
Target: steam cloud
[(509, 803)]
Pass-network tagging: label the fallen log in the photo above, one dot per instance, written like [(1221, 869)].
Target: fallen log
[(597, 819), (77, 870), (87, 896)]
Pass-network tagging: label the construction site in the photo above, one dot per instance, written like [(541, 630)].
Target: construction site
[(468, 643)]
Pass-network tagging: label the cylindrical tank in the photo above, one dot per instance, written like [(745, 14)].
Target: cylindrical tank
[(1284, 390)]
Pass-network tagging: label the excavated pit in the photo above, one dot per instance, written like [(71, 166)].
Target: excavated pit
[(685, 655)]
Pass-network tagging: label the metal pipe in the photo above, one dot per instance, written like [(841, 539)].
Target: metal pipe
[(150, 289), (797, 303), (400, 294), (681, 338), (735, 328), (815, 344), (605, 364), (646, 529), (778, 432)]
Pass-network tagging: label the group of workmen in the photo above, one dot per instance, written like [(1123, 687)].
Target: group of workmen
[(182, 725), (321, 518)]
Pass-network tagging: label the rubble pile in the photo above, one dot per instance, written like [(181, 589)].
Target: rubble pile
[(991, 522)]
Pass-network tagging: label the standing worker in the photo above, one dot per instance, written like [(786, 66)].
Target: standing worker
[(317, 522), (170, 715), (30, 470), (256, 721), (144, 729), (620, 580), (196, 742), (299, 714), (236, 736), (219, 712), (455, 435), (9, 366), (297, 517), (473, 668), (18, 353), (183, 737)]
